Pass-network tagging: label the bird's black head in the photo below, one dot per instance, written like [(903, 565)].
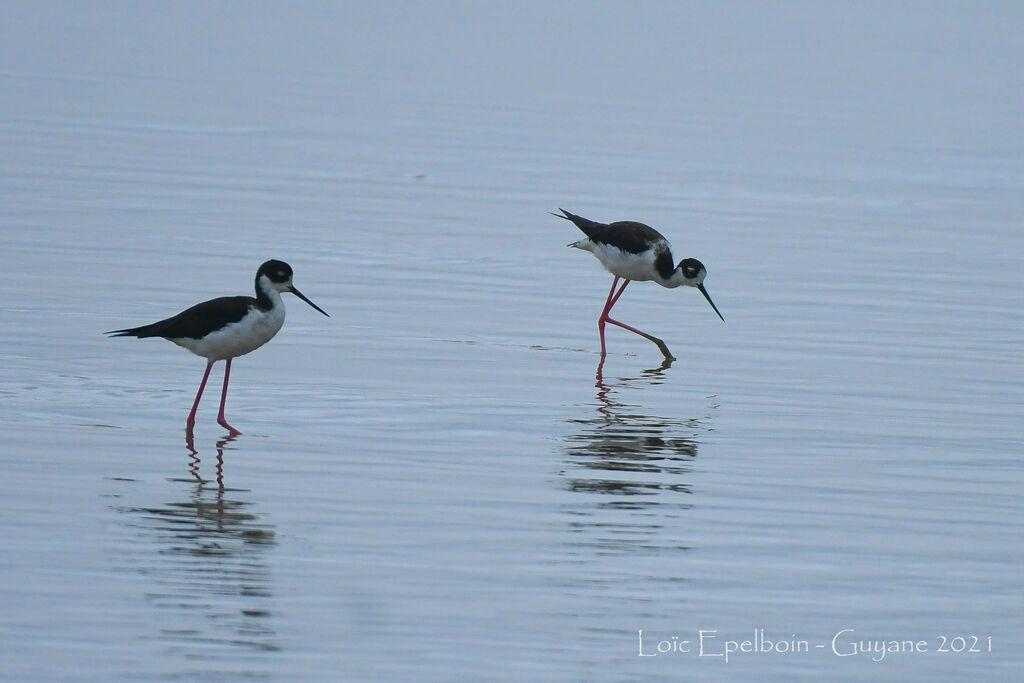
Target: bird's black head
[(693, 270), (277, 272), (279, 275)]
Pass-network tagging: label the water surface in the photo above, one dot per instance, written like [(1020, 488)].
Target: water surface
[(441, 481)]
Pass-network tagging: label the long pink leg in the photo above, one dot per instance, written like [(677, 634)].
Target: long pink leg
[(223, 398), (191, 422), (617, 295), (604, 318), (608, 303)]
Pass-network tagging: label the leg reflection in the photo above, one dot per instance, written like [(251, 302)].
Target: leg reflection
[(203, 556), (630, 468), (194, 459)]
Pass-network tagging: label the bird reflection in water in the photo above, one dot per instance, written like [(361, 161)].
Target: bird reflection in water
[(632, 468), (194, 460), (207, 556)]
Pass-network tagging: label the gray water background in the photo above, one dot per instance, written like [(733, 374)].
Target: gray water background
[(435, 483)]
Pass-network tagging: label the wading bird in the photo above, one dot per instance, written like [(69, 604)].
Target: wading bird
[(634, 251), (227, 327)]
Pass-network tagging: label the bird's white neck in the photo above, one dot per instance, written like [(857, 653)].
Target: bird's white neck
[(677, 279)]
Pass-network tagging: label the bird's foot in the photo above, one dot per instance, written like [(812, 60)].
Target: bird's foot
[(224, 423)]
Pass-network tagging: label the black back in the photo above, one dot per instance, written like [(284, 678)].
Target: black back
[(628, 236), (195, 322), (202, 319)]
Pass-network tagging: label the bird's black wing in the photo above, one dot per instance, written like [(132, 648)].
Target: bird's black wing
[(195, 322), (632, 237), (628, 236)]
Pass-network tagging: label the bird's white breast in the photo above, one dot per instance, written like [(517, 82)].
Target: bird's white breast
[(239, 338), (622, 263)]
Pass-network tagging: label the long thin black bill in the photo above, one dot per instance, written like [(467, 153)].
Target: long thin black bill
[(300, 295), (708, 297)]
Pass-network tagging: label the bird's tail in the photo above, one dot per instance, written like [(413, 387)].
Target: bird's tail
[(588, 226), (140, 332)]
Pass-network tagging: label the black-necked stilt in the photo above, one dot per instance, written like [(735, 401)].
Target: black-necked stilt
[(227, 327), (634, 251)]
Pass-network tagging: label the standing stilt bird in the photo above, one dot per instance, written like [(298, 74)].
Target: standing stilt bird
[(227, 327), (634, 251)]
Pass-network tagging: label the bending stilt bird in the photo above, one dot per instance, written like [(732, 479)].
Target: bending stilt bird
[(634, 251)]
